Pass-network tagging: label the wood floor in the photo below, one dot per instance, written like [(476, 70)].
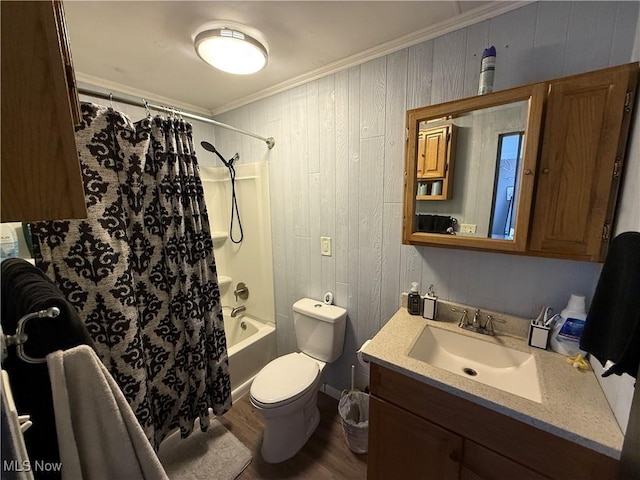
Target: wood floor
[(325, 455)]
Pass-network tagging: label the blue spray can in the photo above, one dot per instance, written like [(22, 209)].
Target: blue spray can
[(487, 70)]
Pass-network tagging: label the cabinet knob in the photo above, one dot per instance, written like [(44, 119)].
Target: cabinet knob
[(545, 170), (527, 171)]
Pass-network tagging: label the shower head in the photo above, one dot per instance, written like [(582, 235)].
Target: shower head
[(208, 147)]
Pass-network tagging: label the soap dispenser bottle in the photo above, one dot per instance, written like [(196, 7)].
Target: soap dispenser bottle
[(430, 304), (413, 300)]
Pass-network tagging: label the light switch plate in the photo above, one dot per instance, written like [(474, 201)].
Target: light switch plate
[(325, 246)]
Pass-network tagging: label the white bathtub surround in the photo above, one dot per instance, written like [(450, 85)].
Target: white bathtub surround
[(250, 261)]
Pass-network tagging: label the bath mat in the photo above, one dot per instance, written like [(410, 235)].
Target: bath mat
[(214, 454)]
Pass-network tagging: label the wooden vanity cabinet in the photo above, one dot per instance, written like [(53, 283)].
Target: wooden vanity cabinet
[(408, 446), (41, 178), (419, 431), (583, 147)]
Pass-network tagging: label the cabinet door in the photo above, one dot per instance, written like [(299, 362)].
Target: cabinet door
[(480, 463), (402, 445), (584, 137), (433, 146), (41, 177)]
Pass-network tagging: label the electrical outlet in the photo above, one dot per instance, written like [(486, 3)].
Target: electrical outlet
[(468, 228), (325, 246)]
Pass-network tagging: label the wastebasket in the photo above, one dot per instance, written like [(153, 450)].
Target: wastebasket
[(354, 414)]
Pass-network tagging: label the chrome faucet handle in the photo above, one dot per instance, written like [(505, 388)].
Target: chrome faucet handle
[(241, 291), (476, 318), (489, 325), (463, 320)]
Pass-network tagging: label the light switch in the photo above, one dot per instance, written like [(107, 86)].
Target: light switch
[(325, 246)]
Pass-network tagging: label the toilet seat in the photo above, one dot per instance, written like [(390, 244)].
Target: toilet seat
[(284, 380)]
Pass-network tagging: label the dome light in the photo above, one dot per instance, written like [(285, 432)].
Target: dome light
[(231, 51)]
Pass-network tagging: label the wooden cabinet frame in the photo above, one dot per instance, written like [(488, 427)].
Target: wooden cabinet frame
[(534, 94), (571, 168), (41, 177)]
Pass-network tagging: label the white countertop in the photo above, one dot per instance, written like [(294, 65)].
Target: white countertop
[(573, 404)]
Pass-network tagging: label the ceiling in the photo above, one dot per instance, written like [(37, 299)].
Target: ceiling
[(146, 48)]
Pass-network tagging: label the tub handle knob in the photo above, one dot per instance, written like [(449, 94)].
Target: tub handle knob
[(241, 291)]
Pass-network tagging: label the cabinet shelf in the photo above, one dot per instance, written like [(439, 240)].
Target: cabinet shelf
[(431, 197)]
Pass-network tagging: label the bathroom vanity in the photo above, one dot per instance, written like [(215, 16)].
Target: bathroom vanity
[(427, 422)]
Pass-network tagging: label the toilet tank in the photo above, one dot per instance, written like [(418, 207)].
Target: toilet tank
[(319, 329)]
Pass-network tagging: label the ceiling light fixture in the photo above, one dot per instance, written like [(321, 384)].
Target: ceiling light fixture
[(231, 51)]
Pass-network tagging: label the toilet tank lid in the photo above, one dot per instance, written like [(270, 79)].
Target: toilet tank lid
[(319, 310)]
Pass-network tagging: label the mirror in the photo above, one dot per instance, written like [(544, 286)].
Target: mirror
[(485, 202)]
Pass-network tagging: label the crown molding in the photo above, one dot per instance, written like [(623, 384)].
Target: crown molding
[(107, 86), (475, 16)]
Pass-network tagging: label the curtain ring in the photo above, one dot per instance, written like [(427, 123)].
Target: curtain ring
[(146, 107)]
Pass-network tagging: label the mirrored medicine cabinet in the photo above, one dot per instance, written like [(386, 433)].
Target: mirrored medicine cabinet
[(537, 168), (483, 202)]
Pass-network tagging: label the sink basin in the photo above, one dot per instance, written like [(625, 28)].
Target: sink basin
[(495, 365)]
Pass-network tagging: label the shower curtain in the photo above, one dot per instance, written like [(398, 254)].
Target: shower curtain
[(140, 269)]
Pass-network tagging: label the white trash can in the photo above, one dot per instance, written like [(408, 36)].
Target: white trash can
[(354, 414)]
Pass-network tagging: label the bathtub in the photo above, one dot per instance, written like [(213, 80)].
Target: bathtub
[(251, 344)]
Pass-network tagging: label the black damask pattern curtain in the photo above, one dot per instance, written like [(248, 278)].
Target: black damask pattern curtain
[(140, 270)]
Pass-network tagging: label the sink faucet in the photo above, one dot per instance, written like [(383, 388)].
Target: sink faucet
[(236, 310), (476, 325)]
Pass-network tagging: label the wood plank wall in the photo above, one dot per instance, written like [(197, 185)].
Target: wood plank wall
[(337, 170)]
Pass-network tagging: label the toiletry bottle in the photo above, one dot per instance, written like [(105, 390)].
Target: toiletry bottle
[(565, 336), (430, 305), (413, 300), (487, 70)]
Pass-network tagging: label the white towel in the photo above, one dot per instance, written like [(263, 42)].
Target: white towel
[(98, 435)]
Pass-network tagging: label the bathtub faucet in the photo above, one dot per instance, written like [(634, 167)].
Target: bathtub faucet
[(236, 310)]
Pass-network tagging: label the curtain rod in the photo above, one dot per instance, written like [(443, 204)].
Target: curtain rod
[(144, 104)]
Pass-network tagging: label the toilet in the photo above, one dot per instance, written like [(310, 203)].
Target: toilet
[(285, 390)]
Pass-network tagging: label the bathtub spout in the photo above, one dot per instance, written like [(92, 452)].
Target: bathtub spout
[(237, 310)]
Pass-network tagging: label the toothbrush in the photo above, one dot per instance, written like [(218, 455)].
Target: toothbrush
[(551, 320)]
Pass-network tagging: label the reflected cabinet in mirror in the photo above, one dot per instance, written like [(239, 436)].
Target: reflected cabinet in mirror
[(485, 201)]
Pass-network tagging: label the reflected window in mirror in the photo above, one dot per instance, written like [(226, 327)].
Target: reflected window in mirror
[(507, 179)]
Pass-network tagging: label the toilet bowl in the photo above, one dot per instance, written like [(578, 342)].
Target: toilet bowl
[(285, 390), (285, 393)]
